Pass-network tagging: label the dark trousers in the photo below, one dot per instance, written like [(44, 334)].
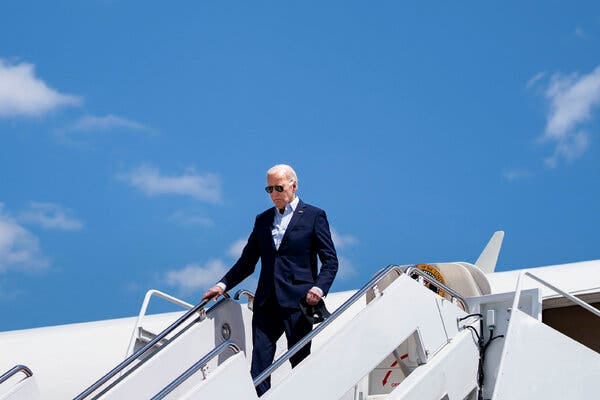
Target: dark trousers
[(269, 322)]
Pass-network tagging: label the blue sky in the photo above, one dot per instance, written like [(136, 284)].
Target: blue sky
[(135, 136)]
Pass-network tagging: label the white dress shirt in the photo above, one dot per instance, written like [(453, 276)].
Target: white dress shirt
[(281, 221)]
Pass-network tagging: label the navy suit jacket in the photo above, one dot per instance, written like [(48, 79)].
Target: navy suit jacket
[(291, 271)]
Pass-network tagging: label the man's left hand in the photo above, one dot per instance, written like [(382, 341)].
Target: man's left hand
[(312, 297)]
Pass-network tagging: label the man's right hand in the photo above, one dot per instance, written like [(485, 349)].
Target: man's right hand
[(213, 293)]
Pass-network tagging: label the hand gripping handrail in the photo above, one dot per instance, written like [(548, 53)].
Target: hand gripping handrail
[(198, 308), (14, 370), (285, 356), (228, 344), (410, 271)]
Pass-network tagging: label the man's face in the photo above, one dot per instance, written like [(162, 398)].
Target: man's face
[(281, 199)]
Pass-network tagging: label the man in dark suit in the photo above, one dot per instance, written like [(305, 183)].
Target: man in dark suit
[(287, 239)]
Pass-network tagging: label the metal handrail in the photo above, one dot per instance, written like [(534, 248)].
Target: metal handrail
[(248, 294), (228, 344), (14, 370), (416, 271), (144, 308), (288, 354), (569, 296), (243, 292), (198, 308)]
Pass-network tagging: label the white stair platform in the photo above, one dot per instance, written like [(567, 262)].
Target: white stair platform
[(539, 362)]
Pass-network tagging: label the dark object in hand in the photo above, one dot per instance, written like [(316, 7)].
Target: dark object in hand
[(314, 314)]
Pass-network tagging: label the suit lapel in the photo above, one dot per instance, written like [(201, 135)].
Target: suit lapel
[(269, 228), (295, 218)]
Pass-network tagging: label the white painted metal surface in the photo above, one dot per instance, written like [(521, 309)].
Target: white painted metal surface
[(532, 361), (230, 381), (67, 358), (501, 306), (180, 354), (25, 389), (144, 309), (404, 307), (489, 256), (532, 351), (575, 278), (541, 363), (452, 372)]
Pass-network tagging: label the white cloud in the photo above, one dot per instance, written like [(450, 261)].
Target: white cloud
[(91, 123), (569, 149), (535, 79), (149, 180), (193, 277), (346, 269), (512, 175), (342, 241), (23, 94), (572, 100), (182, 218), (19, 249), (235, 250), (50, 216)]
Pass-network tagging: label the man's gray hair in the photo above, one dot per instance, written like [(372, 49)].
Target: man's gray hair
[(283, 169)]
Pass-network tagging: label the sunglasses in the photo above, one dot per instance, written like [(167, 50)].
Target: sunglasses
[(277, 188)]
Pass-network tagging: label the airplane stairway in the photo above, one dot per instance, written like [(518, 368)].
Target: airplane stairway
[(535, 352), (169, 354), (15, 386), (206, 358), (427, 321), (403, 310)]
